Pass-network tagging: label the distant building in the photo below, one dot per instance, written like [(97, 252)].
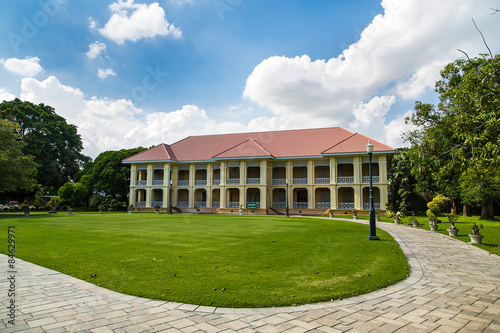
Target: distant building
[(320, 169)]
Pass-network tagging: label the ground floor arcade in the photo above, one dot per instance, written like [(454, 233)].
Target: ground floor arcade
[(262, 198)]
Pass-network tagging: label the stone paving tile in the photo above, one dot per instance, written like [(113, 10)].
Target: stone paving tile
[(439, 296)]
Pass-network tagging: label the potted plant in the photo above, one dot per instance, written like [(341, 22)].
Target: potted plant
[(157, 209), (354, 214), (475, 236), (433, 226), (414, 221), (26, 209), (432, 217), (70, 210), (331, 212), (377, 218), (130, 208), (452, 230), (397, 218), (197, 209), (101, 209)]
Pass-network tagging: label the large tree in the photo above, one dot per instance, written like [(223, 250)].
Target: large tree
[(16, 169), (462, 132), (54, 144), (107, 175)]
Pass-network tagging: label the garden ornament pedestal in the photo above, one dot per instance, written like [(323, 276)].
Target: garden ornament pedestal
[(476, 239)]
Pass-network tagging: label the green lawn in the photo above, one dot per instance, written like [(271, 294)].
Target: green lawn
[(224, 261), (491, 229)]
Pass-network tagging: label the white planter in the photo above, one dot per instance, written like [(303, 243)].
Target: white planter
[(476, 239), (452, 232), (433, 227)]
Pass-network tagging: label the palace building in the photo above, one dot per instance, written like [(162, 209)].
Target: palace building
[(310, 170)]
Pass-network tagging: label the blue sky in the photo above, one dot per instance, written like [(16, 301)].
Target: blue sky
[(130, 72)]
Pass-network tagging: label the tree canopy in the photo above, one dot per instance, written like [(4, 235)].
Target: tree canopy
[(17, 169), (107, 175), (455, 150), (54, 144)]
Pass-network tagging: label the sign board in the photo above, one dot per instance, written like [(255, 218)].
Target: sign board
[(251, 205)]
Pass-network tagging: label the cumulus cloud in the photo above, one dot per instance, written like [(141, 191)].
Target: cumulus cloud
[(27, 67), (5, 95), (95, 50), (133, 21), (111, 124), (399, 54), (104, 73)]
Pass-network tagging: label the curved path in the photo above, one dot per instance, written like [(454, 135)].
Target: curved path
[(452, 287)]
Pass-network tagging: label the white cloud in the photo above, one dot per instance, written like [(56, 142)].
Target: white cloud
[(399, 54), (5, 95), (131, 21), (27, 67), (394, 130), (95, 50), (92, 23), (111, 124), (104, 73)]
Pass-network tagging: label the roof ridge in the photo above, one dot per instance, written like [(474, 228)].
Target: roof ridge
[(257, 143), (338, 143), (236, 145), (258, 132)]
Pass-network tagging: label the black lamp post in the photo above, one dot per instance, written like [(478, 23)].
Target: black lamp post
[(170, 198), (373, 228), (287, 210)]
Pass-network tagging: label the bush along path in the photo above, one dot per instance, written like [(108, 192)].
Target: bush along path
[(452, 287)]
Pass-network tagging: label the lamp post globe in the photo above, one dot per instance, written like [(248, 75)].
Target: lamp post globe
[(373, 228)]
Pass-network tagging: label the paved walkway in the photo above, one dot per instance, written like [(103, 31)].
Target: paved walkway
[(452, 287)]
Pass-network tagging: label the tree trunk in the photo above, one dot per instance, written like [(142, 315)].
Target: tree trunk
[(454, 210), (487, 212), (467, 211)]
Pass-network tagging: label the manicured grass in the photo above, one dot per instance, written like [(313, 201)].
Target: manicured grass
[(224, 261), (491, 229)]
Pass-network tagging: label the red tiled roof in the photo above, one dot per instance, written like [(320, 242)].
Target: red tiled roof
[(356, 144), (277, 144), (248, 148), (161, 152)]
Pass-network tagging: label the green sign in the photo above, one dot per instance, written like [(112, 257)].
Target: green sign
[(251, 205)]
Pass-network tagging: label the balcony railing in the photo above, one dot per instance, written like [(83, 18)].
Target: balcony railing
[(253, 180), (158, 182), (182, 182), (322, 180), (233, 181), (157, 203), (376, 205), (200, 204), (216, 182), (200, 182), (279, 181), (300, 205), (300, 180), (375, 179), (215, 204), (233, 205), (346, 205), (141, 183), (345, 180), (140, 203), (182, 203), (323, 205), (279, 205)]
